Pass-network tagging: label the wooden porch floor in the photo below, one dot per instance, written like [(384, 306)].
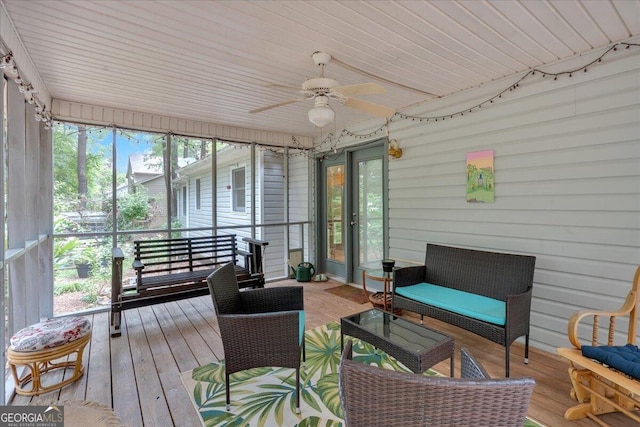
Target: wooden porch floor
[(137, 373)]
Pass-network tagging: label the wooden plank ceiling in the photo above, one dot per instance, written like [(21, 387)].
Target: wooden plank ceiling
[(214, 60)]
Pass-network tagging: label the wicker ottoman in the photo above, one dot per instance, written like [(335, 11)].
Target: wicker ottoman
[(39, 347)]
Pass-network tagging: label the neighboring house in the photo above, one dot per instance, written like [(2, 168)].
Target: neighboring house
[(233, 200), (147, 171), (142, 167)]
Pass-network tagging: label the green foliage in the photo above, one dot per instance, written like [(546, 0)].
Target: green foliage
[(133, 208), (90, 298), (69, 287), (65, 167), (84, 254), (176, 225), (63, 251)]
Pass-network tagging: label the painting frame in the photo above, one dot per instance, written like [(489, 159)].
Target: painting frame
[(480, 177)]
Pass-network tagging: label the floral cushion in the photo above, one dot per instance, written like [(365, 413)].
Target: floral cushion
[(50, 334)]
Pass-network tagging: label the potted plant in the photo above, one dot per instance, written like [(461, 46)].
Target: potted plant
[(85, 257)]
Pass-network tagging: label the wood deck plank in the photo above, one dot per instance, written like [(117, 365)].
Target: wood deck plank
[(153, 404), (126, 400), (182, 353), (179, 403), (98, 372), (203, 328), (193, 339)]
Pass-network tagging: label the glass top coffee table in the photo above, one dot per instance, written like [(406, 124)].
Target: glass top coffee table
[(416, 346)]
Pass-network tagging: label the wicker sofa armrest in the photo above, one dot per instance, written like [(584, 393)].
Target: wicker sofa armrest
[(266, 300), (518, 314), (406, 276)]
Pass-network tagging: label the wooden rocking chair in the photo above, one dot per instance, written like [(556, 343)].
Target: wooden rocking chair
[(599, 389)]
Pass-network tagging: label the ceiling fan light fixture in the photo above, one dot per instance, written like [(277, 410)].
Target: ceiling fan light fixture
[(321, 115)]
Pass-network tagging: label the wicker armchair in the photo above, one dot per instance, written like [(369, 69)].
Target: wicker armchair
[(259, 327), (470, 367), (375, 397)]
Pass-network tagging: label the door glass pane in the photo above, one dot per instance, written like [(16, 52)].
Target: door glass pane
[(335, 206), (370, 211)]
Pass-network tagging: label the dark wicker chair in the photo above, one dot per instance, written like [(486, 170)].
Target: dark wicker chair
[(375, 397), (259, 327), (470, 367)]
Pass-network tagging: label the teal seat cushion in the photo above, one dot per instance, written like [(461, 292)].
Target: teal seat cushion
[(465, 303)]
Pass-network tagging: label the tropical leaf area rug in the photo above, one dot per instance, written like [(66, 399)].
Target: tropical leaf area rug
[(265, 397)]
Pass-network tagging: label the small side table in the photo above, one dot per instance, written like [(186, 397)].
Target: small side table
[(382, 299)]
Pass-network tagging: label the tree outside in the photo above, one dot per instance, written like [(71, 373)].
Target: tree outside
[(83, 211)]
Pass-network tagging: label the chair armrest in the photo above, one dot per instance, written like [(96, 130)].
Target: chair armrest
[(574, 321), (116, 274), (251, 241), (264, 300), (117, 254), (253, 258), (138, 265), (470, 367), (405, 276), (243, 253), (518, 314)]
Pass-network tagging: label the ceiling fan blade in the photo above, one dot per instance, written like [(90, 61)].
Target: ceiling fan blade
[(279, 104), (370, 107), (360, 89)]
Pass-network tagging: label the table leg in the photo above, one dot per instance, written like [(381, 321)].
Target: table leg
[(452, 366)]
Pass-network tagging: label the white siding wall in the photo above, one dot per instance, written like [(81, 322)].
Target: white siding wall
[(300, 196), (226, 216), (273, 205), (567, 173), (200, 217), (156, 188)]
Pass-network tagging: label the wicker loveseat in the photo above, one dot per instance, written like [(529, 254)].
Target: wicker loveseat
[(487, 293)]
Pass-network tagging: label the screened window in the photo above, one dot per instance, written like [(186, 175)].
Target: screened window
[(238, 190)]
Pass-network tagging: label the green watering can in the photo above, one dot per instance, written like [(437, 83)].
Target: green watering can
[(304, 272)]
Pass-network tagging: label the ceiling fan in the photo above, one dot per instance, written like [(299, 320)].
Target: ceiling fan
[(322, 89)]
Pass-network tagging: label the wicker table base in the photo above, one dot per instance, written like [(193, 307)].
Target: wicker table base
[(416, 346), (43, 361)]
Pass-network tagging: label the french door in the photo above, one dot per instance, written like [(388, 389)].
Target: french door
[(351, 208)]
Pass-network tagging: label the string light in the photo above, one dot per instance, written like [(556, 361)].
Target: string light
[(511, 88), (331, 141), (42, 114), (516, 85)]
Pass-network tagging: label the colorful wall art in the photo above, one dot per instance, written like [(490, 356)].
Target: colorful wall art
[(480, 178)]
